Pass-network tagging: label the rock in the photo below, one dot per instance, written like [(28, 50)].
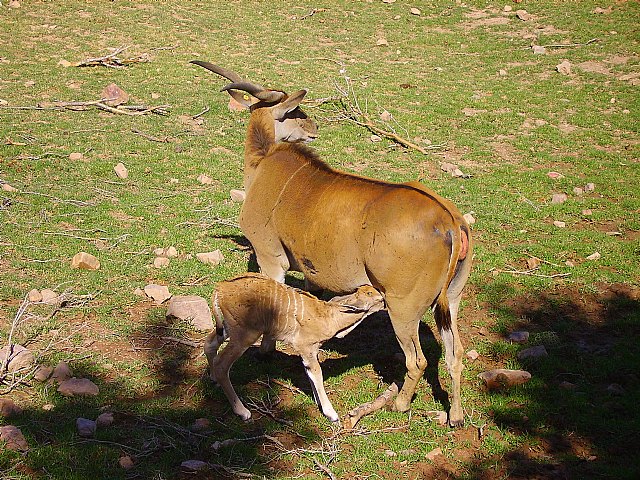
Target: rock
[(126, 462), (382, 42), (502, 72), (539, 351), (85, 427), (558, 198), (507, 8), (8, 188), (559, 224), (194, 465), (473, 355), (104, 420), (434, 453), (159, 293), (201, 425), (523, 15), (564, 67), (192, 308), (538, 50), (519, 336), (555, 175), (533, 263), (43, 373), (390, 453), (205, 179), (587, 212), (168, 252), (8, 408), (415, 11), (238, 195), (62, 372), (375, 138), (34, 296), (578, 191), (48, 407), (501, 378), (161, 262), (13, 438), (76, 156), (49, 297), (616, 389), (469, 218), (19, 357), (594, 256), (438, 416), (85, 261), (589, 187), (121, 171), (78, 386), (112, 95), (211, 258)]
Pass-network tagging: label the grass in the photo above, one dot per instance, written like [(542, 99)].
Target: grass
[(440, 77)]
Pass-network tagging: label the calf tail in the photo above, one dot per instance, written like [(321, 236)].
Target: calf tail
[(216, 338)]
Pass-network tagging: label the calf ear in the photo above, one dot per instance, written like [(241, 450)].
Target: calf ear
[(291, 103)]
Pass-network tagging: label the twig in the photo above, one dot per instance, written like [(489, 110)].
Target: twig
[(531, 273), (325, 469), (197, 115), (150, 137), (78, 203), (565, 45), (112, 60), (312, 13), (383, 399)]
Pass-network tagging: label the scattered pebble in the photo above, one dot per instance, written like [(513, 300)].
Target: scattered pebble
[(519, 336), (8, 188), (43, 373), (193, 308), (564, 67), (523, 15), (500, 378), (211, 258), (205, 179), (555, 175), (567, 385), (538, 50), (158, 293), (439, 416), (13, 438), (8, 408), (238, 195), (168, 252), (507, 8), (578, 191), (559, 224), (85, 261), (86, 428), (539, 351), (194, 465), (126, 462), (589, 187), (105, 420), (587, 212), (616, 389), (62, 372), (390, 453), (76, 156), (121, 171), (558, 198), (34, 296), (160, 262), (415, 11), (49, 297), (78, 386), (502, 72), (594, 256), (473, 355), (375, 138), (201, 425), (434, 453), (470, 219)]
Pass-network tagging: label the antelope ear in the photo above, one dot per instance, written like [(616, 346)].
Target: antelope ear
[(242, 98), (291, 103)]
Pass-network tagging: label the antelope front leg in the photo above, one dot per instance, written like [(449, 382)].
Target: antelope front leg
[(314, 372)]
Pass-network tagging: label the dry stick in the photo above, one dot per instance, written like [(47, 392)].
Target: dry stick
[(150, 137), (530, 273), (564, 45), (325, 469), (197, 115), (16, 322), (383, 399)]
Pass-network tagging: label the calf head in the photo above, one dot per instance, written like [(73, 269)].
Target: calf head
[(365, 299)]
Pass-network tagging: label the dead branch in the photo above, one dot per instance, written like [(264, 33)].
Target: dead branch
[(79, 106), (150, 137), (325, 469), (112, 60), (567, 45), (197, 115), (383, 399)]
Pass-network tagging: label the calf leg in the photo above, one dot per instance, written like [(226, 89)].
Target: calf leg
[(237, 345), (314, 372), (211, 345)]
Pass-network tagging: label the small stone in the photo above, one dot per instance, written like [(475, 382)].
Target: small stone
[(390, 453), (48, 407), (62, 372), (519, 336), (555, 175), (559, 224), (434, 453), (375, 138), (171, 252), (564, 67), (589, 187), (205, 179), (415, 11), (587, 212), (192, 308), (533, 263), (578, 191), (121, 171), (78, 386), (382, 42), (473, 355), (567, 385), (8, 408), (113, 95), (558, 198), (104, 420), (500, 378), (594, 256), (13, 438), (439, 416), (502, 72), (76, 156), (20, 358), (8, 188), (34, 296), (211, 258), (238, 195), (85, 261), (201, 425), (126, 462), (160, 262), (469, 218), (43, 373), (523, 15), (159, 293), (507, 8), (86, 428), (194, 465), (538, 50), (49, 297), (616, 389), (539, 351)]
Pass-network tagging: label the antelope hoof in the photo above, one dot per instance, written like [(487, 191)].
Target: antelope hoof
[(245, 415)]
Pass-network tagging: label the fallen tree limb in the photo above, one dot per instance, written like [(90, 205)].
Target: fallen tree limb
[(112, 60), (386, 397), (132, 110)]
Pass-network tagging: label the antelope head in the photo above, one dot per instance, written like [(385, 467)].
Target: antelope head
[(290, 123)]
